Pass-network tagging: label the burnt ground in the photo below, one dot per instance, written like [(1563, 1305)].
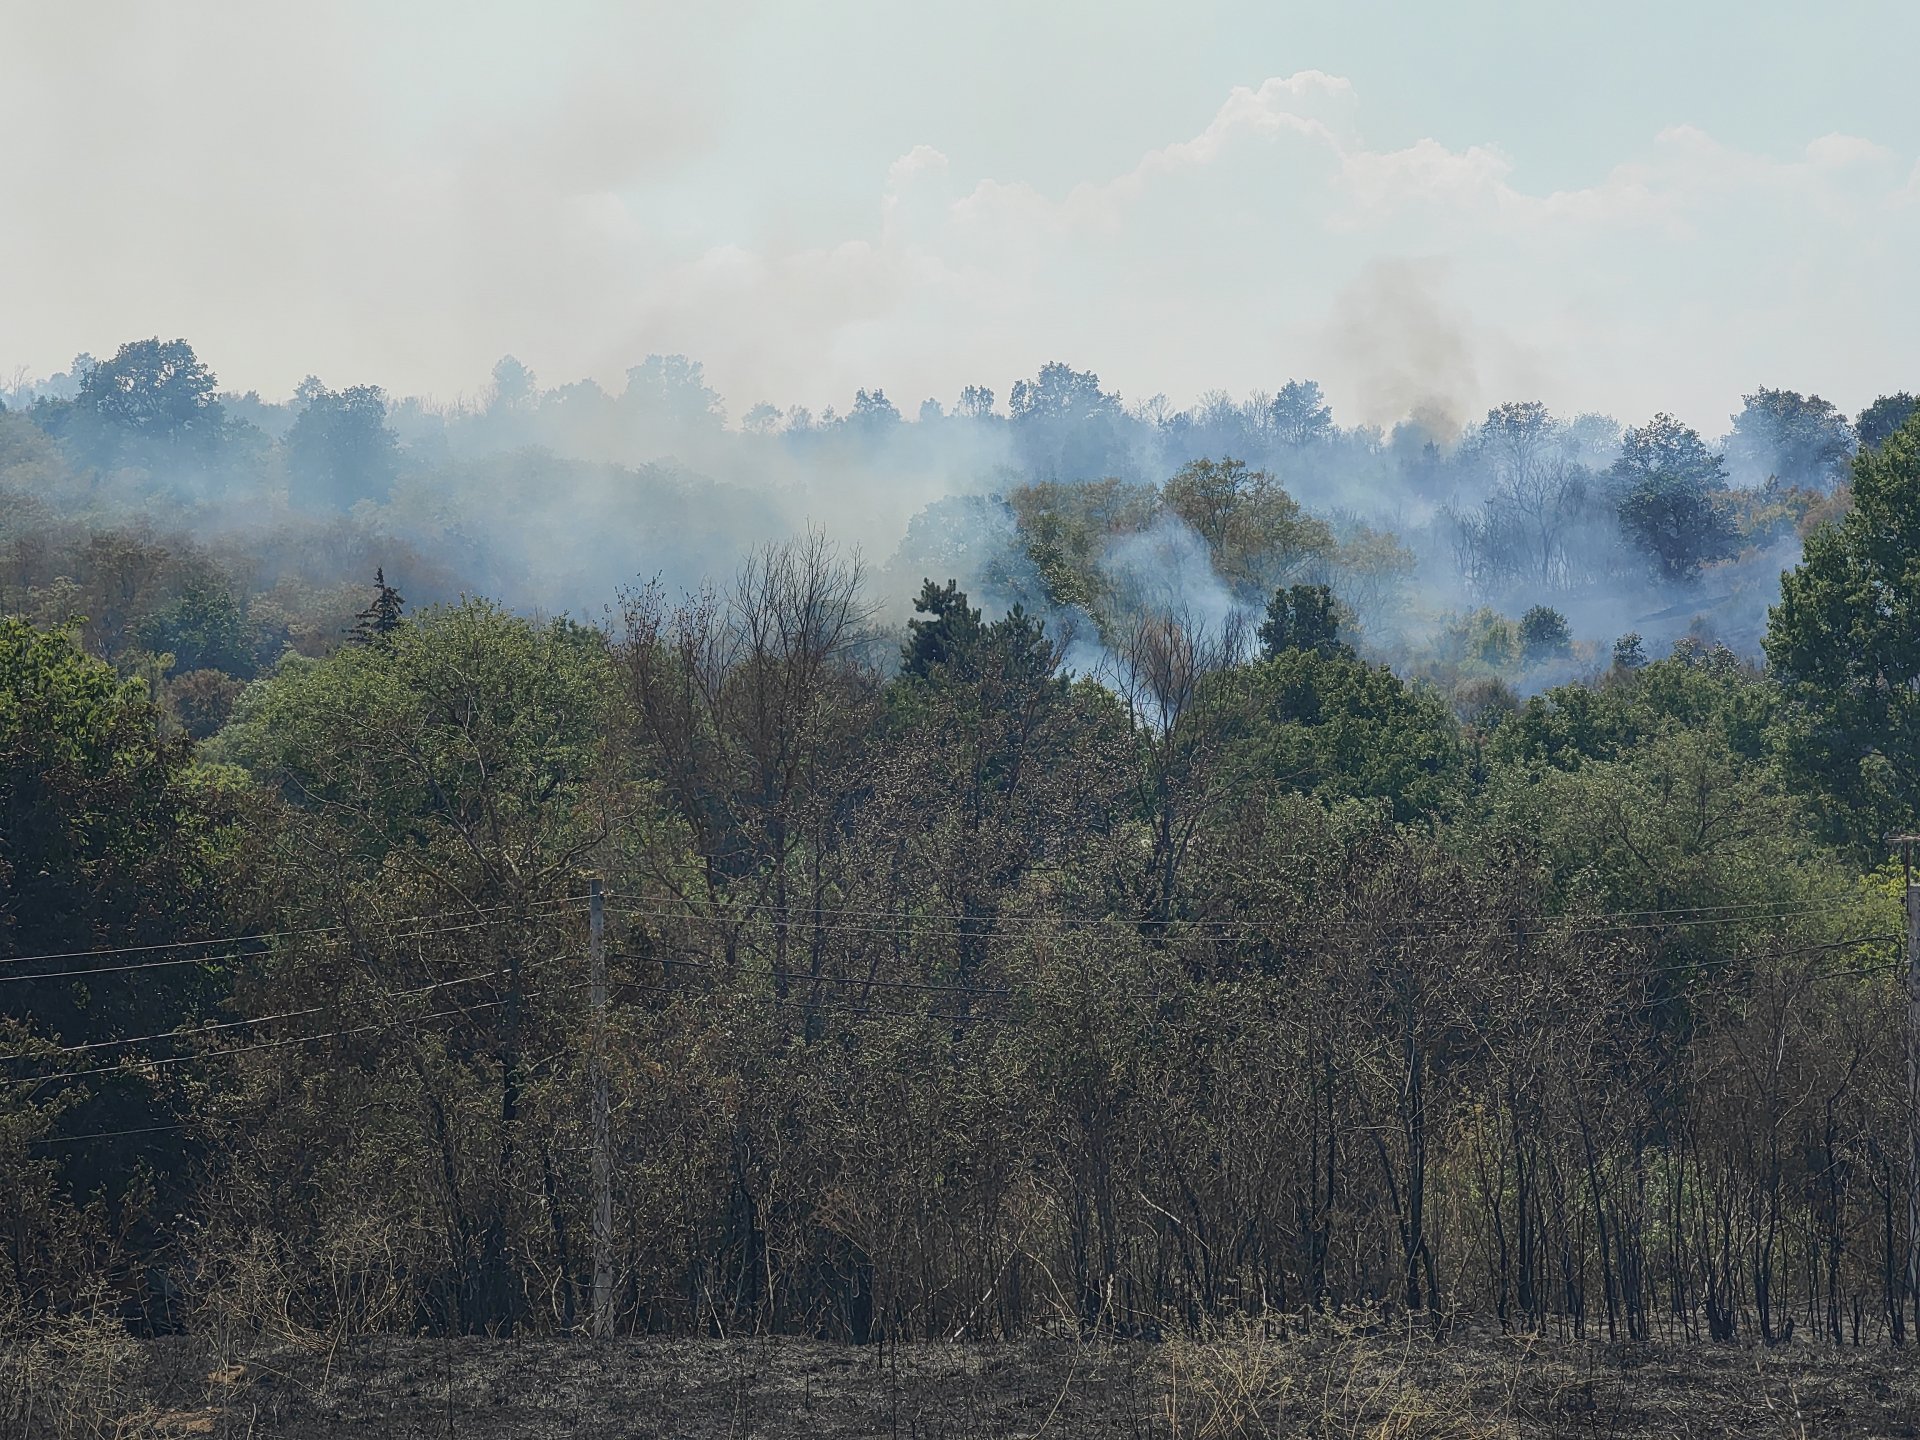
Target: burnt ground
[(1343, 1384)]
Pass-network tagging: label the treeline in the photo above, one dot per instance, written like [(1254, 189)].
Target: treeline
[(1437, 536), (952, 995)]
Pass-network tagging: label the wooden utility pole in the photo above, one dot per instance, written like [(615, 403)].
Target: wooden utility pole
[(602, 1160), (1906, 844)]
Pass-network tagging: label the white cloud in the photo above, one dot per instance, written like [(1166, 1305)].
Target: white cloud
[(329, 208), (921, 160)]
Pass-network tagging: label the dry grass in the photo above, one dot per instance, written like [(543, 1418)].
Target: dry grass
[(70, 1375), (1356, 1378), (1352, 1377)]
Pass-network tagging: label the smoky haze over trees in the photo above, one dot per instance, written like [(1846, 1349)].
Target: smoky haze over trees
[(1201, 864), (551, 496)]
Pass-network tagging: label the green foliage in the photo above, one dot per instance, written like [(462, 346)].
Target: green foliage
[(1668, 447), (871, 411), (1065, 426), (1066, 528), (469, 738), (340, 449), (1302, 617), (1300, 415), (1571, 725), (1884, 416), (1800, 440), (1682, 821), (1331, 726), (1481, 642), (1256, 533), (1628, 652), (949, 635), (110, 839), (1672, 503), (204, 628), (673, 390), (1845, 643), (971, 997), (383, 615), (1678, 524), (152, 402), (1544, 636)]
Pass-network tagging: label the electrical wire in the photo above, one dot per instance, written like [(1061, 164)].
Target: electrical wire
[(797, 913), (823, 1005), (384, 936), (216, 941), (200, 1030), (286, 1042), (803, 978), (1002, 926)]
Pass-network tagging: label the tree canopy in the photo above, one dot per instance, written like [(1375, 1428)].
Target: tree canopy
[(1845, 641)]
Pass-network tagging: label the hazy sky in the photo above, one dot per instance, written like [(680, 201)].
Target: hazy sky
[(1626, 206)]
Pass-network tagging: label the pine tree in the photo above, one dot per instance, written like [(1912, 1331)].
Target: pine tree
[(382, 617)]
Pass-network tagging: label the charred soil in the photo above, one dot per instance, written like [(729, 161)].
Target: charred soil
[(1340, 1381)]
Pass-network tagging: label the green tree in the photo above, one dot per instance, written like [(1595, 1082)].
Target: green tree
[(1481, 640), (1299, 415), (1668, 447), (872, 412), (1678, 524), (340, 448), (1065, 426), (1845, 641), (947, 638), (1256, 532), (1798, 439), (153, 401), (1572, 725), (204, 628), (1884, 416), (109, 838), (110, 841), (1628, 652), (975, 402), (1544, 636), (1514, 439), (515, 387), (1302, 617), (457, 770), (383, 613), (1332, 726), (672, 391), (1671, 498)]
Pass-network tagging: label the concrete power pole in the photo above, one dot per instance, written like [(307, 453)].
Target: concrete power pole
[(602, 1160)]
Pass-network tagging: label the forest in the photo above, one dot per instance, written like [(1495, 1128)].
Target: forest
[(1208, 864)]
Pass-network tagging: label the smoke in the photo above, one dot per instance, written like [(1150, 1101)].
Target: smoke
[(1402, 350), (551, 497), (1166, 571)]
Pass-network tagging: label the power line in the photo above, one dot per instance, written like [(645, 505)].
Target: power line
[(822, 1005), (106, 1134), (280, 1044), (802, 914), (198, 1031), (875, 982), (808, 979), (1004, 927), (384, 937), (833, 920), (216, 941), (1762, 909), (863, 1011)]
